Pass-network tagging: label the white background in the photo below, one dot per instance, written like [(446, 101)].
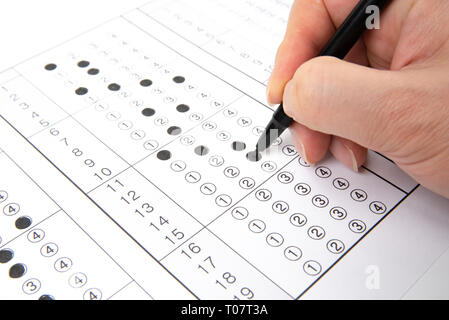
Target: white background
[(28, 27)]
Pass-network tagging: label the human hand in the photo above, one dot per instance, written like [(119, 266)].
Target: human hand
[(391, 94)]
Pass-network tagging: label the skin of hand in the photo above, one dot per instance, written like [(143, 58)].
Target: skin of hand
[(390, 94)]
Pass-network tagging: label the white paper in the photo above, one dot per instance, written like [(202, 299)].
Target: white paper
[(118, 147)]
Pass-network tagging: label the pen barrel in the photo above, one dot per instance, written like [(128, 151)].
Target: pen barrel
[(281, 117), (351, 29), (277, 125)]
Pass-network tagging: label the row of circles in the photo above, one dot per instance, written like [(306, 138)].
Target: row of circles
[(300, 220), (230, 171), (62, 265), (294, 253), (123, 43), (319, 201), (204, 95), (210, 126), (138, 134), (358, 195), (223, 200), (156, 65), (33, 286)]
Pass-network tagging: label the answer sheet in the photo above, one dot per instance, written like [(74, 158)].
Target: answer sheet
[(128, 167)]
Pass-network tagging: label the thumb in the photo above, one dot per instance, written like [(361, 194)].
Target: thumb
[(346, 100)]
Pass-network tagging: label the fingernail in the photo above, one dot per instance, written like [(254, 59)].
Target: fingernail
[(355, 167), (303, 153), (288, 94), (270, 103)]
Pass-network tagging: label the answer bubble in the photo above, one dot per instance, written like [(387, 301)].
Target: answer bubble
[(146, 83), (114, 87), (23, 223), (151, 145), (93, 71), (83, 64), (174, 131), (164, 155), (201, 150), (148, 112), (6, 255), (182, 108), (46, 297), (178, 166), (254, 156), (17, 270), (179, 79), (50, 67), (81, 91), (238, 146)]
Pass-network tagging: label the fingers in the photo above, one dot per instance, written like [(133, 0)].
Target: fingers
[(310, 26), (347, 152), (346, 100), (311, 145)]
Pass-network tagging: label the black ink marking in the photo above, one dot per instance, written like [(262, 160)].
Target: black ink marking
[(23, 223), (81, 91), (46, 297), (238, 146), (148, 112), (254, 156), (114, 87), (174, 131), (179, 79), (201, 150), (83, 64), (146, 83), (50, 67), (93, 71), (182, 108), (17, 270), (164, 155), (6, 255)]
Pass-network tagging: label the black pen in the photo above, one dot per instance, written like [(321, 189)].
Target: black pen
[(338, 46)]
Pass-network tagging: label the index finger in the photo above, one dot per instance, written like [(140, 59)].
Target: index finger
[(311, 24)]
